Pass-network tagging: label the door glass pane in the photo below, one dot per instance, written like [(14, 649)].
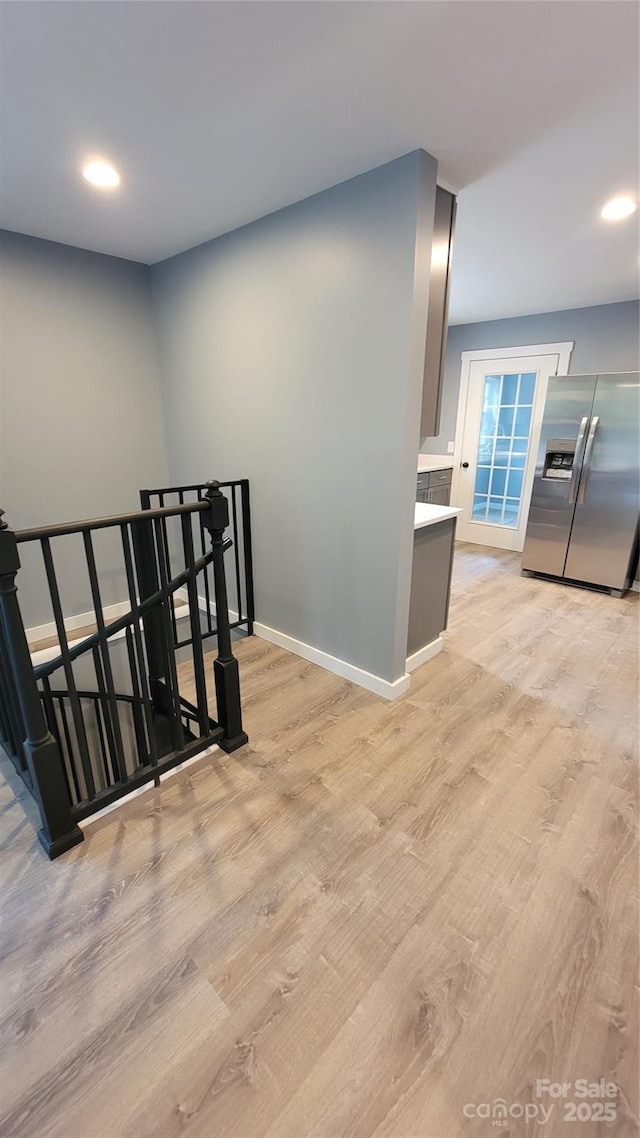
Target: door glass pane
[(527, 388), (479, 507), (494, 513), (511, 511), (523, 421), (502, 447), (501, 451), (505, 423), (492, 386), (482, 479), (498, 480), (509, 390), (514, 484)]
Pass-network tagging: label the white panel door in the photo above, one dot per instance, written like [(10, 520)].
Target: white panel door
[(502, 401)]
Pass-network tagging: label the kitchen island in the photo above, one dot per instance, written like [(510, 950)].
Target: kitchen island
[(434, 533)]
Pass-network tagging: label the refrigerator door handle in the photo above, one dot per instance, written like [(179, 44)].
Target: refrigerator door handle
[(586, 466), (577, 459)]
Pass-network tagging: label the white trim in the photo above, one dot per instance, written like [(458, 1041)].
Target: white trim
[(423, 654), (635, 587), (183, 594), (387, 688), (81, 620), (561, 350)]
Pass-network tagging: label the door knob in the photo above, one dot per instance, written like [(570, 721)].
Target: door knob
[(464, 465)]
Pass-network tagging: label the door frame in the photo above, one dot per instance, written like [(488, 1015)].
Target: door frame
[(561, 350)]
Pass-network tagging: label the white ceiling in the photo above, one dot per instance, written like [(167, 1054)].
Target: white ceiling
[(217, 113)]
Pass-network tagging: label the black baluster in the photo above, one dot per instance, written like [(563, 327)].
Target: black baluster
[(248, 553), (67, 664), (196, 633), (172, 694), (59, 831), (205, 576), (67, 754), (236, 555), (136, 707), (151, 754), (109, 780), (112, 775), (148, 583), (225, 667), (111, 703), (162, 537)]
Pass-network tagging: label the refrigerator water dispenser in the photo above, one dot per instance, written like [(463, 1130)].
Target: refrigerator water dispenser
[(558, 459)]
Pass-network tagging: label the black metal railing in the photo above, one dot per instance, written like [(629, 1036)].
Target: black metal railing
[(240, 554), (106, 714)]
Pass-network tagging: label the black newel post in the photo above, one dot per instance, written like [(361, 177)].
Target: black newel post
[(59, 831), (225, 668)]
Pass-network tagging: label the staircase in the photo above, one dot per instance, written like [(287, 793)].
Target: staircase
[(105, 715)]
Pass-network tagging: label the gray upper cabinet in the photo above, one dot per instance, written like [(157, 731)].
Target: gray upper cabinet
[(438, 310)]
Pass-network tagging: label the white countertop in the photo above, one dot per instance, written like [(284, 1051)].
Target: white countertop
[(428, 515), (434, 462)]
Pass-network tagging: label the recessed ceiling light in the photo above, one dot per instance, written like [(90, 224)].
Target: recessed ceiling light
[(618, 208), (101, 174)]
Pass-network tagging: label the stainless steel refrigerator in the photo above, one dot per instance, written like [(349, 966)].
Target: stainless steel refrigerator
[(583, 519)]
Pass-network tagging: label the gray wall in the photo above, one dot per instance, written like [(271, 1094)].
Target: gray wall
[(605, 338), (81, 426), (291, 352)]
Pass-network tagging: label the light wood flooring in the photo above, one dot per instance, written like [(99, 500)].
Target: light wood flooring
[(375, 916)]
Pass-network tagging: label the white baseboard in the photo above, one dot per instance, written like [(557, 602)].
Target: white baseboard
[(81, 620), (386, 688), (423, 654), (202, 604), (635, 587)]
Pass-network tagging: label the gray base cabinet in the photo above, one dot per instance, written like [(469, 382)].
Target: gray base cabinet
[(434, 486), (430, 583)]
